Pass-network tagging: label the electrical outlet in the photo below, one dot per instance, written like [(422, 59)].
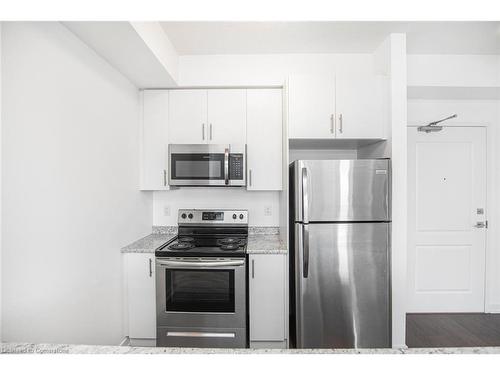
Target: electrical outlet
[(166, 210), (267, 211)]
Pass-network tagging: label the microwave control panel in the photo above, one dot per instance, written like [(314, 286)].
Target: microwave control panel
[(236, 167)]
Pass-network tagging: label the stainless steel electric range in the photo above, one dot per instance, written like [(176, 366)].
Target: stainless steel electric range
[(201, 298)]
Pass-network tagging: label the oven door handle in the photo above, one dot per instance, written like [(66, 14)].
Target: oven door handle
[(210, 264)]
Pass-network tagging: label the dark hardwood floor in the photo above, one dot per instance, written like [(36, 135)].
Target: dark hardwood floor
[(452, 330)]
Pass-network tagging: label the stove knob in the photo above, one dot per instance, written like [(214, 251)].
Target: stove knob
[(190, 216), (241, 216), (183, 216), (234, 216)]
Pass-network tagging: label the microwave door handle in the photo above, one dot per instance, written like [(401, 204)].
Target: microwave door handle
[(226, 166)]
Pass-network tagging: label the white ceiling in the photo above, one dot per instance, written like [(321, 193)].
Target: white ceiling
[(199, 38)]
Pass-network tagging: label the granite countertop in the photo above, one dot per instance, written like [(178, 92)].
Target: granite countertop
[(149, 243), (27, 348), (261, 240), (265, 244)]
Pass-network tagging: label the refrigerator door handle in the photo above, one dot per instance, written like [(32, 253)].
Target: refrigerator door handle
[(305, 197), (305, 246)]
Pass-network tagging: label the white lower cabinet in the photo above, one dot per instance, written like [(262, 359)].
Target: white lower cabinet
[(267, 287), (141, 298)]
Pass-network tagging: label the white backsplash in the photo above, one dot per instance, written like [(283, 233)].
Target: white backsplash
[(167, 203)]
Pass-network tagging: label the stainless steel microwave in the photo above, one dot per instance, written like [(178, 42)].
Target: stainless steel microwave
[(207, 165)]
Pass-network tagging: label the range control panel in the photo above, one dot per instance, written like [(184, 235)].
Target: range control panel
[(213, 217)]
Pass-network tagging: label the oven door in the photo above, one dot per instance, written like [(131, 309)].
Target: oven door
[(206, 165), (201, 292)]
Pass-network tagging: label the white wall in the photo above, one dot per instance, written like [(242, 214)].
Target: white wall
[(1, 24), (70, 187), (398, 118), (454, 70), (231, 70), (255, 201), (264, 69), (299, 154)]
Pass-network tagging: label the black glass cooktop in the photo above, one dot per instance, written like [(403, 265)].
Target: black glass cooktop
[(189, 245)]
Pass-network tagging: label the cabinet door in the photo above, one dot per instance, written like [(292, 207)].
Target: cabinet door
[(154, 140), (264, 139), (141, 303), (227, 116), (311, 106), (359, 106), (267, 297), (188, 116)]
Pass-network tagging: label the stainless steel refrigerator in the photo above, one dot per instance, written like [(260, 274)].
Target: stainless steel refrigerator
[(340, 260)]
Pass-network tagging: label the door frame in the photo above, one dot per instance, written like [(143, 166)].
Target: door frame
[(491, 212)]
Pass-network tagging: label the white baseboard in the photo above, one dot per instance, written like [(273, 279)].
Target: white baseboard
[(493, 309), (268, 344), (142, 342), (400, 346)]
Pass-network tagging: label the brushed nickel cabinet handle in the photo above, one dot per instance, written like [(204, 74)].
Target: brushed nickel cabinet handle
[(203, 132), (250, 177), (150, 267), (340, 123), (332, 123), (210, 131), (253, 268), (164, 177)]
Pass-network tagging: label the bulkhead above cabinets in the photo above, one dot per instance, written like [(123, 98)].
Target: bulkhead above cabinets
[(233, 116)]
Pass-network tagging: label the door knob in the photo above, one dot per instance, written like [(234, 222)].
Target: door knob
[(481, 224)]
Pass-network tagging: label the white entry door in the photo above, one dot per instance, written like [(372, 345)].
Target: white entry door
[(447, 199)]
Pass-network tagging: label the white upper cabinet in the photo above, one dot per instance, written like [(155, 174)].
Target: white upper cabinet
[(188, 116), (264, 139), (358, 106), (347, 106), (154, 133), (207, 116), (311, 106), (226, 116)]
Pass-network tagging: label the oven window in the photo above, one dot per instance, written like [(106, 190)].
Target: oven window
[(199, 290), (197, 166)]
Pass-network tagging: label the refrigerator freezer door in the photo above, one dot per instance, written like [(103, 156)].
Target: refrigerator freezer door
[(344, 302), (341, 190)]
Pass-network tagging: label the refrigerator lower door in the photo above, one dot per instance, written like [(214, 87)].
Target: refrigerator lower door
[(343, 297)]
